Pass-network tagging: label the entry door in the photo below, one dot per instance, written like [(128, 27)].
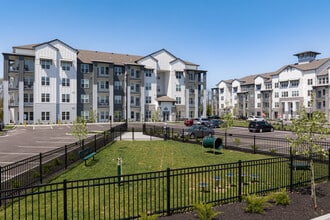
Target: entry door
[(166, 115)]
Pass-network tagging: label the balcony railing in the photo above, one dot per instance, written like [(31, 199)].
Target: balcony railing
[(13, 102), (103, 104)]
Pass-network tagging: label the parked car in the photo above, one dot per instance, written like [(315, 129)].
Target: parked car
[(213, 117), (197, 131), (201, 121), (2, 125), (255, 118), (188, 122), (260, 126), (216, 123)]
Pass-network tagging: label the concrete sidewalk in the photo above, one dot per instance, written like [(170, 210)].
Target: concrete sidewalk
[(137, 136)]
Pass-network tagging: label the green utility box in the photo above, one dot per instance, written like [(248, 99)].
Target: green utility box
[(212, 142)]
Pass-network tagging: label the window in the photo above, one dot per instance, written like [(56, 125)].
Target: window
[(234, 89), (118, 70), (84, 68), (148, 86), (148, 72), (45, 116), (309, 92), (178, 88), (258, 104), (65, 97), (222, 98), (104, 116), (84, 98), (148, 99), (132, 86), (178, 100), (45, 97), (258, 87), (65, 82), (118, 85), (84, 83), (284, 84), (103, 85), (118, 99), (28, 98), (147, 114), (31, 116), (268, 86), (258, 96), (66, 65), (295, 93), (133, 73), (103, 100), (132, 115), (132, 100), (65, 116), (277, 104), (310, 82), (294, 83), (45, 81), (191, 76), (45, 64), (191, 101), (285, 94), (103, 70), (178, 74), (323, 80), (276, 85), (85, 115), (221, 91), (276, 95)]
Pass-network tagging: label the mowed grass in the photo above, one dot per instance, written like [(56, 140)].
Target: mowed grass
[(146, 156)]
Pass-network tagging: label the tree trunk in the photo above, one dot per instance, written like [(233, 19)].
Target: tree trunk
[(313, 190)]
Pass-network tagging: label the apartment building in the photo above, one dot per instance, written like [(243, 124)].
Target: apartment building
[(279, 94), (53, 82)]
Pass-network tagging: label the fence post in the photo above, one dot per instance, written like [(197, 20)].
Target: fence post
[(120, 133), (172, 134), (133, 134), (65, 156), (40, 167), (82, 144), (103, 138), (168, 194), (291, 170), (65, 206), (0, 186), (254, 144), (183, 135), (329, 164), (144, 128), (226, 139), (240, 176), (94, 143)]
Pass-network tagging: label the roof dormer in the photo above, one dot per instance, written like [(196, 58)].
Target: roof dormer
[(306, 57)]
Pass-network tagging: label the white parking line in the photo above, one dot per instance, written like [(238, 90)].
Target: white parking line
[(10, 153), (54, 142)]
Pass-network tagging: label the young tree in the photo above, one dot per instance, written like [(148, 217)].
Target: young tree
[(229, 121), (79, 129), (309, 131)]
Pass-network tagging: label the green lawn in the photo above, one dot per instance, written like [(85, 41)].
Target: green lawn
[(146, 156)]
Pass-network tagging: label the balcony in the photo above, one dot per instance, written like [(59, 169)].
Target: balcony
[(13, 103), (103, 104), (28, 103), (13, 85), (13, 68)]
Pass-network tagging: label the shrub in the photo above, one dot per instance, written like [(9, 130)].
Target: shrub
[(272, 151), (205, 211), (280, 198), (148, 217), (256, 204), (237, 141)]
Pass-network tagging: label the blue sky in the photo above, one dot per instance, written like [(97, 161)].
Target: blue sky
[(228, 38)]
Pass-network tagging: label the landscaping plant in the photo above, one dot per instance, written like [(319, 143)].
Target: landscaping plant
[(256, 204), (204, 211)]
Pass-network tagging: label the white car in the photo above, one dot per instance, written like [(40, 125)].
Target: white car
[(255, 118)]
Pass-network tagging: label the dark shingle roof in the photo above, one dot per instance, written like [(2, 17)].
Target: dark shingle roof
[(88, 56)]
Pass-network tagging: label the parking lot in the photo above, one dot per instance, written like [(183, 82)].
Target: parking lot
[(26, 141)]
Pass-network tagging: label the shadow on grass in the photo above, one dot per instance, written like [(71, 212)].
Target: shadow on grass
[(214, 152)]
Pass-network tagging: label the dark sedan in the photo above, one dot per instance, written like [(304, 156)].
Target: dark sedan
[(197, 131), (260, 126)]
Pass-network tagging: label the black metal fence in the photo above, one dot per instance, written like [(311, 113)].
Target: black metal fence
[(37, 169), (248, 143), (163, 192)]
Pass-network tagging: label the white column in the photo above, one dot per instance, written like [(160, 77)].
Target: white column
[(204, 102), (196, 103), (187, 103), (5, 102), (142, 104), (21, 101), (95, 99), (111, 106)]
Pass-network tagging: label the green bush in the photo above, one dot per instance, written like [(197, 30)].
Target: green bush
[(148, 217), (279, 198), (256, 204), (205, 211)]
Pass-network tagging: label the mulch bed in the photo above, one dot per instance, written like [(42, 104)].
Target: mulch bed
[(301, 207)]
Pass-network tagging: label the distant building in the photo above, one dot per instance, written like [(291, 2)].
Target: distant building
[(53, 82), (279, 94)]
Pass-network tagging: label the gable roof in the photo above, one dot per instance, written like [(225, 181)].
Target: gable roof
[(33, 46)]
